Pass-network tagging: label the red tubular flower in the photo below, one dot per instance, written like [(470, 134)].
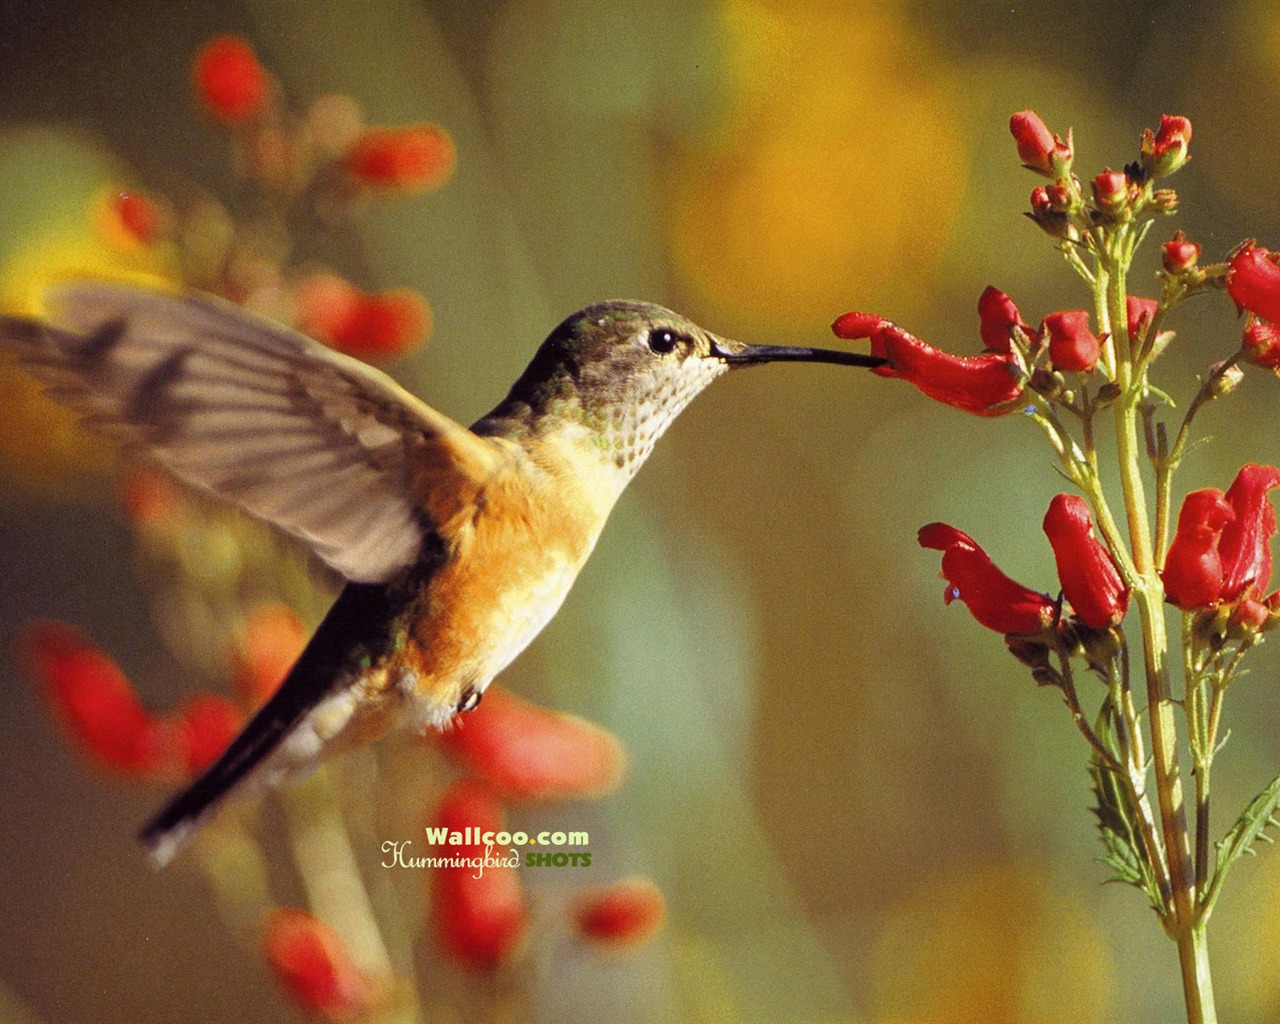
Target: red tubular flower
[(1193, 570), (1178, 255), (207, 723), (95, 703), (372, 327), (229, 81), (1072, 346), (1253, 282), (415, 158), (1090, 580), (997, 316), (273, 639), (1039, 149), (1246, 540), (995, 600), (314, 966), (1166, 150), (527, 753), (623, 914), (984, 385), (1139, 312), (1262, 344), (480, 922)]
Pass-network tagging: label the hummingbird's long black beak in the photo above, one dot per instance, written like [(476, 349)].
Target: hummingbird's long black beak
[(736, 354)]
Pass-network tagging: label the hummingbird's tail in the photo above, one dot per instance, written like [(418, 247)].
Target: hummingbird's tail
[(355, 626)]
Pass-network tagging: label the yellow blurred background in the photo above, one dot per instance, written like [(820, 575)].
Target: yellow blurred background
[(859, 806)]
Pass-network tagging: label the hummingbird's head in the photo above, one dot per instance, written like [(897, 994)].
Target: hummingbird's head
[(625, 370)]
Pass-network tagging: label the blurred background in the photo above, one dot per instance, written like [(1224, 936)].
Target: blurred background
[(858, 806)]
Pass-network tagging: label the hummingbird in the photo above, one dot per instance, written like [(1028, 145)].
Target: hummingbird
[(457, 545)]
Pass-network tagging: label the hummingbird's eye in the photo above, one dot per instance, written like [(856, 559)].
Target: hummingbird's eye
[(663, 340), (470, 700)]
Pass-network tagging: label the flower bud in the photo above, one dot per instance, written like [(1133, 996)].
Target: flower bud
[(413, 159), (1140, 313), (1261, 344), (1111, 192), (1223, 382), (1039, 149), (229, 81), (1072, 346), (1165, 151), (1179, 255), (620, 915)]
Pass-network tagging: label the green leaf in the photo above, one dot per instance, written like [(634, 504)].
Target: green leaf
[(1251, 826)]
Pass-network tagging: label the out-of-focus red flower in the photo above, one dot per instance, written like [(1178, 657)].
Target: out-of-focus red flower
[(229, 81), (480, 922), (1140, 313), (528, 753), (995, 600), (206, 723), (1193, 570), (1090, 580), (985, 385), (1253, 282), (1165, 150), (95, 703), (1246, 539), (997, 316), (1111, 191), (1072, 346), (1039, 149), (620, 915), (372, 327), (1178, 255), (314, 966), (138, 215), (414, 158), (273, 639), (1262, 344), (149, 495)]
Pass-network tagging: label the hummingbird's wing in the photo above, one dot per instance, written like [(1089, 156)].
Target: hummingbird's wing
[(314, 442)]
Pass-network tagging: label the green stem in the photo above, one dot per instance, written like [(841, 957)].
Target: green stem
[(1197, 982)]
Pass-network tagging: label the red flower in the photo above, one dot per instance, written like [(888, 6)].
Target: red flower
[(207, 723), (985, 385), (138, 215), (315, 967), (273, 639), (1111, 191), (1253, 282), (1139, 312), (1072, 346), (229, 81), (1193, 571), (997, 316), (1246, 540), (372, 327), (415, 158), (1090, 580), (1039, 149), (1166, 150), (625, 913), (527, 753), (1262, 344), (480, 921), (1179, 255), (996, 601), (95, 703)]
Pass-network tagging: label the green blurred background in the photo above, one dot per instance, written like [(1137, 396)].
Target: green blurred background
[(859, 807)]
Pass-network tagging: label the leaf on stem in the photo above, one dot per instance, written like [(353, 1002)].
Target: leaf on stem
[(1250, 827)]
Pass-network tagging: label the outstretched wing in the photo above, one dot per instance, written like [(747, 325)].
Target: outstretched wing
[(316, 443)]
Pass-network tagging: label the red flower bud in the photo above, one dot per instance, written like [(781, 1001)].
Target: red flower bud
[(95, 703), (625, 913), (207, 723), (1139, 312), (1262, 344), (1039, 149), (997, 316), (372, 327), (1111, 191), (984, 385), (313, 964), (415, 158), (1072, 346), (995, 600), (480, 921), (1193, 570), (1090, 580), (1166, 150), (229, 81), (1179, 255), (138, 215), (1246, 540), (1253, 282)]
